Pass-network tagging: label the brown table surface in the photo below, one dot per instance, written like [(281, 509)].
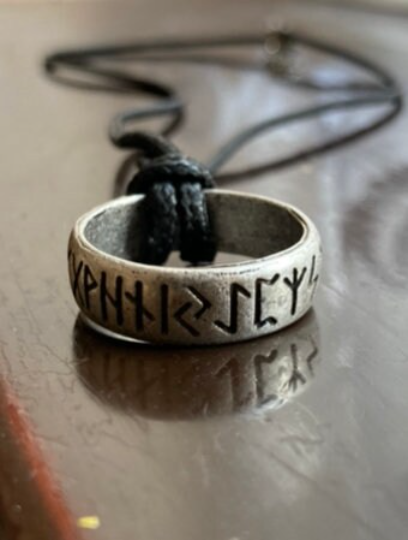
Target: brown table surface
[(299, 436)]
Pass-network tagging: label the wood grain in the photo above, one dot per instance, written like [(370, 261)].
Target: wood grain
[(201, 444)]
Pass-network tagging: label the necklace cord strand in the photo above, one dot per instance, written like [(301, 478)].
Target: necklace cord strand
[(177, 213)]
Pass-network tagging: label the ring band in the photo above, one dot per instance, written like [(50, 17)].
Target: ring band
[(196, 306)]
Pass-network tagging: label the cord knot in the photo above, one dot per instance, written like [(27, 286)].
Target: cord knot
[(173, 168), (175, 208)]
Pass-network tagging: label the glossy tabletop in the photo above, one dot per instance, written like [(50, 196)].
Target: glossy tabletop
[(301, 435)]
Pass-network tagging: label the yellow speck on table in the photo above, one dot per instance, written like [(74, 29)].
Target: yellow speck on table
[(89, 522)]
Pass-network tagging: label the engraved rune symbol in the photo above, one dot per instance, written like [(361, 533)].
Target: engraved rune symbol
[(112, 299), (259, 320), (294, 285), (76, 272), (90, 284), (205, 304), (141, 312), (83, 282), (313, 277), (235, 291)]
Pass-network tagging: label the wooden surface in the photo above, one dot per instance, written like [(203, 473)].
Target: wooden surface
[(299, 436)]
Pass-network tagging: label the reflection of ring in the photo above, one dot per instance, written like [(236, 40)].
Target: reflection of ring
[(197, 383), (217, 304)]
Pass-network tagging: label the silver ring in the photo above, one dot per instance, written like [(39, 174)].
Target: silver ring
[(196, 306)]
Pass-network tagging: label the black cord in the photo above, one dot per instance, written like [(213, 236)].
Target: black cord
[(160, 156), (87, 62)]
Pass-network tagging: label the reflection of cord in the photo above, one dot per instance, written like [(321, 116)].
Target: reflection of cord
[(277, 47)]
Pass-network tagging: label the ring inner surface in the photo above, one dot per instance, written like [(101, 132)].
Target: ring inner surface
[(242, 225)]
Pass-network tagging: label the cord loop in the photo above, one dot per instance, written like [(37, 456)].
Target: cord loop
[(176, 214)]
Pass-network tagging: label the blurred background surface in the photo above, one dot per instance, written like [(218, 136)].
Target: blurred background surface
[(102, 441)]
